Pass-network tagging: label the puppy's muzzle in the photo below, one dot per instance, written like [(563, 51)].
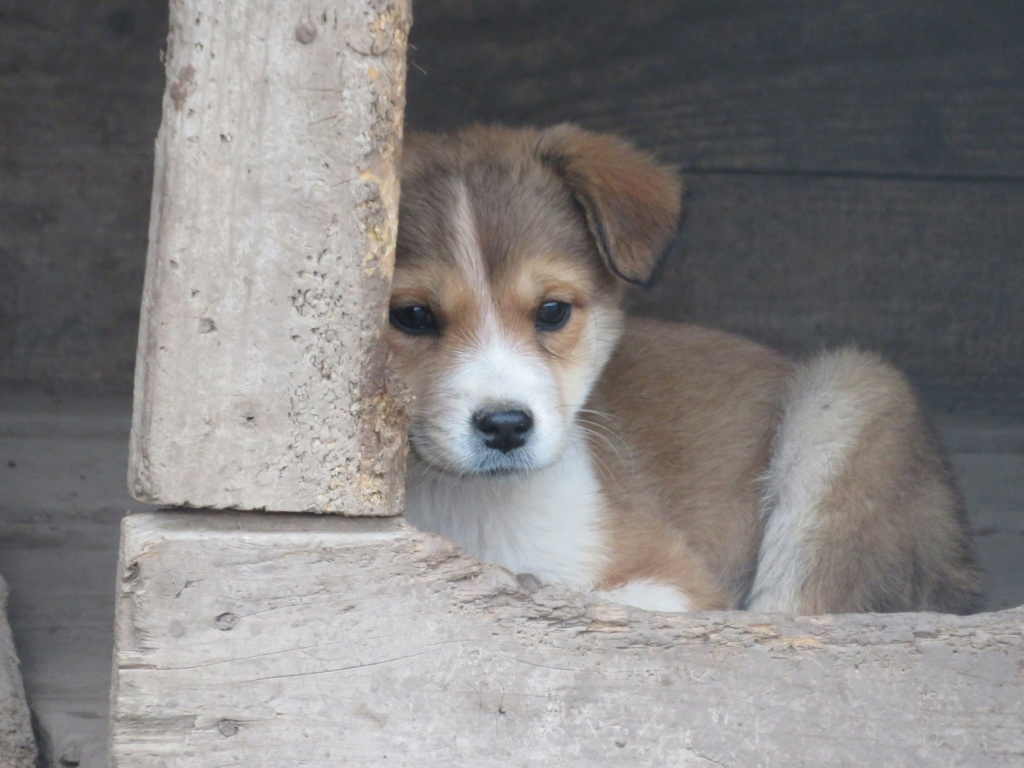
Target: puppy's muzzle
[(504, 430)]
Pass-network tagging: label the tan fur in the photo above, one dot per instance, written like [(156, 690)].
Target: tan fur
[(893, 535), (721, 463), (691, 469)]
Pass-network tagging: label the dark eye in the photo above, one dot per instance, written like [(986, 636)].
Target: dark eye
[(414, 319), (552, 315)]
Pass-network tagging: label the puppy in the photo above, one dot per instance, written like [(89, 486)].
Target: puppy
[(667, 466)]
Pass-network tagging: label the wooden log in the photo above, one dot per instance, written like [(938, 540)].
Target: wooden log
[(260, 381), (17, 744), (272, 640)]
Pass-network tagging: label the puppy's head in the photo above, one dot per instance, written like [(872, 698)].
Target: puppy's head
[(513, 250)]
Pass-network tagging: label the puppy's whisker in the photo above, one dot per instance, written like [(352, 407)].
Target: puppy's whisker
[(606, 434), (603, 428), (627, 465), (601, 414), (602, 466)]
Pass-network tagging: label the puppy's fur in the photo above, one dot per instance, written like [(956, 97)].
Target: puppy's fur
[(669, 466)]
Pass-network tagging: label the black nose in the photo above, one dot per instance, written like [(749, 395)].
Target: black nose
[(504, 430)]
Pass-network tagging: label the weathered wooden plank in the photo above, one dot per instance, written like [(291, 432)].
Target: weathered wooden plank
[(928, 88), (17, 744), (929, 274), (261, 379), (62, 497), (270, 640)]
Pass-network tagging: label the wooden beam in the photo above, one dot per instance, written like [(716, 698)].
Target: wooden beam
[(272, 640), (260, 381)]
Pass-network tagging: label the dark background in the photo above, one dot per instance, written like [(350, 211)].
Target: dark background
[(855, 169)]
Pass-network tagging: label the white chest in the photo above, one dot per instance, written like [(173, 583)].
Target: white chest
[(547, 523)]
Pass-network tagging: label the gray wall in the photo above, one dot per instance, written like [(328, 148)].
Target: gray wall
[(856, 170), (80, 88)]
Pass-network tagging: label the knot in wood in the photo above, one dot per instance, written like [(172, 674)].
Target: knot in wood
[(227, 728), (305, 32)]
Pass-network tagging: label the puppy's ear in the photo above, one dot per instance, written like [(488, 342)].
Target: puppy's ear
[(632, 203)]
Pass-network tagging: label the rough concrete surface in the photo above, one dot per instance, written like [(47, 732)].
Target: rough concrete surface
[(63, 494)]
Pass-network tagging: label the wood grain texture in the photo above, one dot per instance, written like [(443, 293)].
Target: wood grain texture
[(270, 640), (929, 274), (932, 88), (261, 380)]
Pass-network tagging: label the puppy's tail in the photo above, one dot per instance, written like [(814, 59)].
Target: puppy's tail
[(860, 509)]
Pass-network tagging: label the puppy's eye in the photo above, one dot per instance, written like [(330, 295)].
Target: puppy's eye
[(552, 315), (414, 320)]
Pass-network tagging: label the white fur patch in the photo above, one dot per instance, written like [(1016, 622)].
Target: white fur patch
[(545, 522), (466, 245), (536, 509), (493, 371), (649, 595), (822, 420)]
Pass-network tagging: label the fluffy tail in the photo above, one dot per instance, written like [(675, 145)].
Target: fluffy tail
[(860, 509)]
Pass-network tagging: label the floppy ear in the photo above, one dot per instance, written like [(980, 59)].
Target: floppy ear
[(632, 203)]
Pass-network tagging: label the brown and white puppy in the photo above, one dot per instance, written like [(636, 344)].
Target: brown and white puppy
[(668, 466)]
